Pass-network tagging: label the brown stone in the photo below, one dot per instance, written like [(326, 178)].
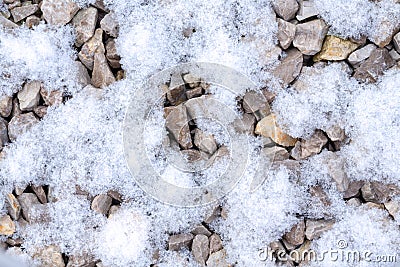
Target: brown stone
[(13, 206), (215, 243), (286, 33), (370, 70), (112, 55), (312, 146), (289, 67), (19, 13), (59, 12), (254, 102), (315, 228), (29, 96), (179, 241), (5, 106), (52, 98), (177, 124), (218, 259), (32, 21), (102, 75), (205, 142), (286, 9), (7, 226), (88, 50), (84, 24), (49, 256), (41, 195), (101, 203), (201, 230), (28, 202), (296, 234), (353, 189), (378, 192), (196, 92), (109, 24), (20, 124), (309, 36)]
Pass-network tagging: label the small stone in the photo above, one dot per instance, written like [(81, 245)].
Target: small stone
[(40, 111), (49, 256), (309, 36), (353, 189), (177, 124), (255, 103), (218, 259), (19, 13), (110, 25), (200, 249), (296, 235), (289, 67), (355, 202), (5, 106), (212, 214), (28, 201), (215, 243), (100, 5), (13, 206), (286, 9), (335, 133), (315, 228), (267, 127), (120, 75), (7, 226), (336, 171), (101, 203), (335, 48), (88, 50), (176, 90), (29, 96), (112, 55), (393, 53), (3, 133), (374, 66), (102, 75), (7, 24), (115, 195), (196, 92), (382, 35), (371, 205), (191, 80), (319, 193), (361, 54), (83, 77), (20, 124), (393, 207), (59, 12), (205, 142), (378, 192), (84, 24), (312, 146), (41, 195), (84, 260), (53, 98), (245, 124), (307, 10), (276, 153), (201, 230), (396, 42), (32, 21), (177, 242), (286, 33)]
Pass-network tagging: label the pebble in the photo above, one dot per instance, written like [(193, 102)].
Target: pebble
[(289, 67), (179, 241), (7, 226), (255, 103), (84, 24), (196, 92), (393, 207), (101, 204), (7, 24), (19, 13), (102, 75), (267, 127), (110, 25), (353, 189), (370, 70), (200, 249), (82, 76), (361, 54), (20, 124), (335, 48), (310, 36), (59, 12), (177, 124), (336, 170), (40, 111), (112, 55), (29, 96), (286, 33), (378, 192), (335, 133), (285, 9), (309, 147), (41, 195), (315, 228)]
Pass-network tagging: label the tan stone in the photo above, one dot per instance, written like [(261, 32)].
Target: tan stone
[(7, 226), (335, 48), (59, 12), (309, 36), (267, 127)]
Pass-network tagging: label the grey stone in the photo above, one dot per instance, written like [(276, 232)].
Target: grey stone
[(83, 77), (84, 24), (200, 249), (383, 34), (102, 75), (218, 259), (393, 207), (109, 24), (306, 10), (101, 204), (28, 202), (6, 23), (245, 124), (19, 13), (201, 230), (319, 193), (177, 124), (3, 133), (289, 67), (191, 80), (353, 189), (336, 171), (40, 111), (100, 5), (49, 256), (335, 133), (29, 96), (312, 146), (41, 195), (179, 241), (115, 195), (315, 228), (396, 42), (275, 153), (215, 243), (13, 206), (20, 124), (286, 9), (310, 36), (361, 54), (32, 21), (393, 53), (53, 98), (112, 55), (286, 33), (59, 12), (88, 50), (176, 90), (378, 192), (205, 142), (355, 202), (255, 103), (296, 234), (379, 61), (196, 92)]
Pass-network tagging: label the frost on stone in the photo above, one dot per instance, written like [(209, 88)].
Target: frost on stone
[(43, 53)]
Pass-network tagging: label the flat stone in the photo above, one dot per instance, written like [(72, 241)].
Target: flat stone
[(289, 67), (101, 203), (312, 146), (336, 171), (353, 189), (201, 230), (112, 55), (191, 80), (296, 234), (396, 42), (315, 228), (335, 48), (7, 226), (205, 142), (361, 54), (200, 249), (19, 13), (218, 259), (267, 127), (215, 243), (255, 103), (29, 96), (382, 35), (177, 124), (286, 9), (52, 98), (102, 75), (286, 33), (86, 55), (32, 21), (379, 61), (84, 24), (59, 12), (49, 256), (335, 133), (310, 36), (179, 241), (28, 202), (196, 92), (40, 111), (6, 23), (13, 206), (82, 76), (276, 153), (3, 133), (109, 24), (20, 124), (378, 192), (393, 207), (39, 192), (306, 10)]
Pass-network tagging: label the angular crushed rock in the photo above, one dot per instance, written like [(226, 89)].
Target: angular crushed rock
[(179, 241), (41, 195), (361, 54), (289, 67), (336, 171), (83, 77), (101, 204), (306, 10), (49, 256), (102, 75), (86, 55), (396, 42), (3, 132), (286, 33), (309, 36), (5, 106), (7, 226), (8, 24), (267, 127), (378, 192), (200, 249), (315, 228), (335, 133), (177, 124), (59, 12), (112, 55), (19, 13), (201, 230), (286, 9), (256, 104), (312, 146), (13, 206), (32, 21), (217, 259), (110, 25), (296, 235), (196, 92), (84, 24), (205, 142), (379, 61), (20, 124), (335, 48), (29, 96), (215, 243), (28, 202)]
